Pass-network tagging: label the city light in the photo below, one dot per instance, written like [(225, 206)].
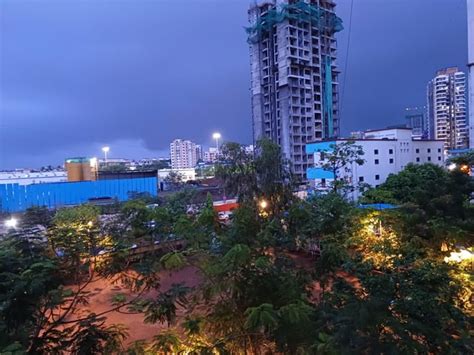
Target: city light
[(263, 204), (105, 149), (90, 224), (452, 166), (216, 136), (459, 256), (11, 223)]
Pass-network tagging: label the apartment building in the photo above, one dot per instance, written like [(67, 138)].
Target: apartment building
[(470, 65), (447, 111), (294, 76), (183, 154), (386, 151)]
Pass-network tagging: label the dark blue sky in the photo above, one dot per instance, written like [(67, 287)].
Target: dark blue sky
[(134, 74)]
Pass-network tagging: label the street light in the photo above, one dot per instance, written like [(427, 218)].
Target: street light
[(263, 204), (105, 149), (11, 223), (217, 136)]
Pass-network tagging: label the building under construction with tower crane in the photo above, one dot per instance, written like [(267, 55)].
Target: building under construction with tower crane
[(294, 76)]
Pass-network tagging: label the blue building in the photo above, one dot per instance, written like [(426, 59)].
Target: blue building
[(17, 198)]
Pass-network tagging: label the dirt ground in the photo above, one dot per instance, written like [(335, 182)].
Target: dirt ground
[(102, 292)]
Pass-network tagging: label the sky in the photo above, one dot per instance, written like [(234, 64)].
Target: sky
[(134, 74)]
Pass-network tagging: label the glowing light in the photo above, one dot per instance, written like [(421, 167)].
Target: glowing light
[(93, 162), (105, 149), (90, 224), (216, 135), (459, 256), (263, 204), (452, 166), (11, 223)]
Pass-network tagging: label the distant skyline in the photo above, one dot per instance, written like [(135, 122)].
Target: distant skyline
[(135, 74)]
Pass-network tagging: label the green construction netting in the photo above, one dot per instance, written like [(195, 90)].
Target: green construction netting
[(299, 11)]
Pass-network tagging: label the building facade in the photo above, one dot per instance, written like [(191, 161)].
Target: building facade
[(294, 76), (416, 120), (447, 109), (386, 151), (183, 154), (17, 198), (211, 155), (28, 177), (470, 65)]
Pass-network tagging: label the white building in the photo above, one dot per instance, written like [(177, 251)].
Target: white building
[(386, 151), (28, 177), (447, 111), (183, 154), (470, 64), (211, 155), (188, 174)]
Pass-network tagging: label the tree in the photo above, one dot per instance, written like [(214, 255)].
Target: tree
[(174, 180), (237, 170), (339, 160), (37, 215)]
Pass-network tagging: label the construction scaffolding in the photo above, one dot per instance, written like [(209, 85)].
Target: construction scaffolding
[(323, 19)]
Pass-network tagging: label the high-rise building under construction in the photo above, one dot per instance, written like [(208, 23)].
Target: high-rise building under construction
[(294, 76)]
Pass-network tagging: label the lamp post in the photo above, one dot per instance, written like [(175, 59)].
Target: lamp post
[(105, 149), (217, 136), (11, 223)]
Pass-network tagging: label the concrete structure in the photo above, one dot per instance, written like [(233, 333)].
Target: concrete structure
[(28, 177), (416, 120), (386, 151), (447, 110), (294, 77), (470, 64), (183, 154), (81, 169)]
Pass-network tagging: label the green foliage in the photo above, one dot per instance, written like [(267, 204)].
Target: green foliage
[(236, 168), (172, 261), (339, 161), (166, 343), (34, 216)]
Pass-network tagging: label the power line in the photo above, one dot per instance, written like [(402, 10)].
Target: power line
[(347, 56)]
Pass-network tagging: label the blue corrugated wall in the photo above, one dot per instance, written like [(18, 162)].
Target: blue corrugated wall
[(17, 198)]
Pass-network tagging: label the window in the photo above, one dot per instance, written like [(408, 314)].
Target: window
[(361, 178), (439, 158), (376, 162), (417, 160), (377, 177), (439, 150), (390, 151), (391, 160), (429, 150), (323, 182), (429, 158), (417, 150), (376, 151)]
